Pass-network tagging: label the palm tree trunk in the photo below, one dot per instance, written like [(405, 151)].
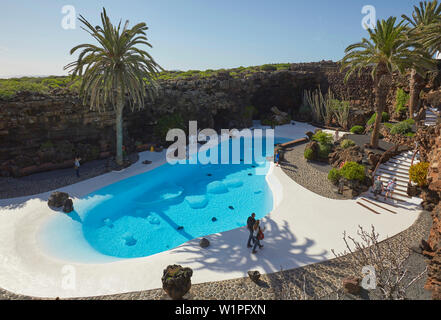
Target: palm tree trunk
[(380, 103), (416, 82), (119, 129)]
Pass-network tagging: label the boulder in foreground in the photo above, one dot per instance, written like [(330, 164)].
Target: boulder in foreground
[(176, 281), (57, 199)]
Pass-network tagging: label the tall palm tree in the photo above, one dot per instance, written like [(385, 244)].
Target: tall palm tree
[(388, 50), (422, 16), (115, 70)]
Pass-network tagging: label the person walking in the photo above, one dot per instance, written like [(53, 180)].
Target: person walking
[(390, 188), (378, 187), (277, 158), (336, 135), (257, 235), (250, 224), (77, 165)]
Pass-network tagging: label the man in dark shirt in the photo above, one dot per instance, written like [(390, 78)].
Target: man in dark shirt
[(250, 224)]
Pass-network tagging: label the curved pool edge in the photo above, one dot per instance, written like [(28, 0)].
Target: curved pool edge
[(33, 273), (305, 222)]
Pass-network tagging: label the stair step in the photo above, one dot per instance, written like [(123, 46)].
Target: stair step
[(405, 195), (366, 207), (390, 177), (394, 198), (394, 169), (395, 165), (389, 204), (394, 174), (400, 187), (400, 163), (404, 159), (376, 204)]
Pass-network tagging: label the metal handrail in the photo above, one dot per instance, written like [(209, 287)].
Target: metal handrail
[(395, 147)]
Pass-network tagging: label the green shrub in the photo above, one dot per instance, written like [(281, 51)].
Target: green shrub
[(353, 171), (323, 138), (401, 128), (384, 118), (388, 125), (167, 122), (418, 173), (46, 145), (268, 67), (309, 154), (324, 151), (334, 175), (305, 109), (267, 122), (401, 98), (347, 143), (250, 111), (357, 130)]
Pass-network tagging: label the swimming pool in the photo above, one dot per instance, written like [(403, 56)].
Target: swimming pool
[(163, 208)]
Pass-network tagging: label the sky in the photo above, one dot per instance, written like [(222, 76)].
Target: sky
[(190, 34)]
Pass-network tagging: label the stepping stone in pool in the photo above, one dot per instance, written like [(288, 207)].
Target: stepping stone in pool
[(108, 223), (217, 187), (197, 202), (234, 183), (129, 239), (231, 207), (214, 219), (153, 220)]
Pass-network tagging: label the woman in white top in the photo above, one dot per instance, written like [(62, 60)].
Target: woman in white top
[(257, 235), (77, 165)]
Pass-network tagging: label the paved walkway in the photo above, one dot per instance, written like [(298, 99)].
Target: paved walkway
[(301, 230)]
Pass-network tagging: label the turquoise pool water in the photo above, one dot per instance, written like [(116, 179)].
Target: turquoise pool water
[(172, 204)]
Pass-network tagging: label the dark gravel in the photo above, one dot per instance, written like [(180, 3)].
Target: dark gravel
[(310, 175), (51, 180)]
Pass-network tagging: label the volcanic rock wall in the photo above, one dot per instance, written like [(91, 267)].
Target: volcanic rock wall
[(43, 132), (430, 149)]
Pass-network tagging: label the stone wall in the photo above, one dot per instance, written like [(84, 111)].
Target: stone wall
[(430, 149), (43, 132)]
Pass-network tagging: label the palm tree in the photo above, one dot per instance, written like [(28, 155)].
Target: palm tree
[(388, 50), (422, 16), (115, 69)]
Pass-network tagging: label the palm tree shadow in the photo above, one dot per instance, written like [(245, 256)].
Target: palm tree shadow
[(228, 251)]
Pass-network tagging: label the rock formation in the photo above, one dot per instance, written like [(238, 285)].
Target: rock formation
[(41, 132), (57, 199), (176, 281), (429, 140)]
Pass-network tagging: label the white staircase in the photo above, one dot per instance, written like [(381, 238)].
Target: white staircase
[(431, 117), (397, 167)]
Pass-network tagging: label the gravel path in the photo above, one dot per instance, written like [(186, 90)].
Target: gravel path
[(321, 280), (310, 175), (51, 180)]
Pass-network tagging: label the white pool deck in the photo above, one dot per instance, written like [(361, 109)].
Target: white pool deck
[(302, 229)]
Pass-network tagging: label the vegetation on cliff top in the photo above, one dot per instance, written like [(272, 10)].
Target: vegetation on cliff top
[(10, 87)]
